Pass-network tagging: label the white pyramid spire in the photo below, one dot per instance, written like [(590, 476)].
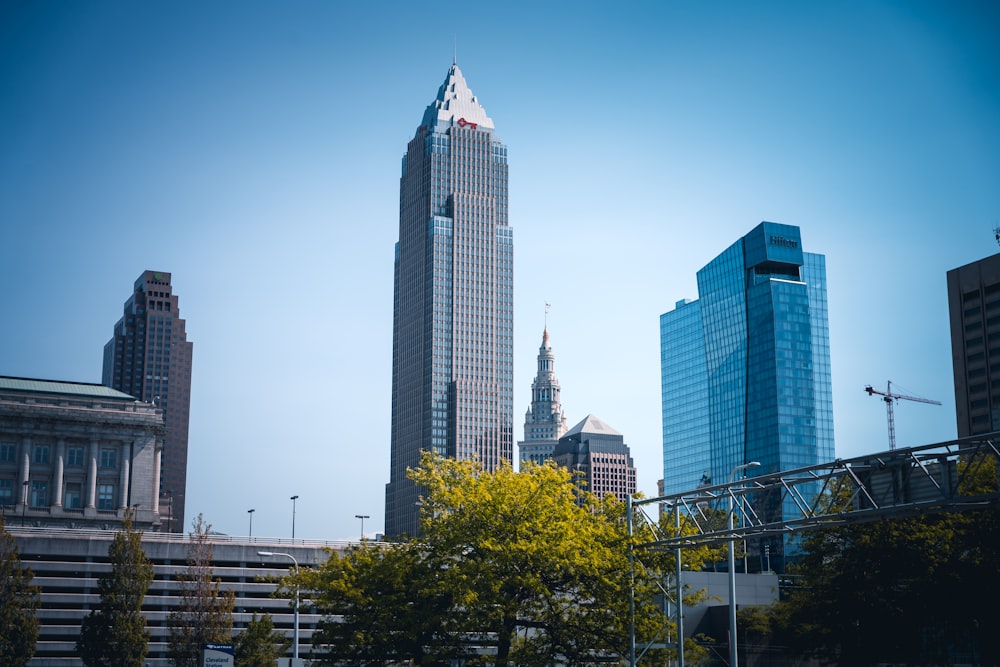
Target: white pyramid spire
[(456, 105)]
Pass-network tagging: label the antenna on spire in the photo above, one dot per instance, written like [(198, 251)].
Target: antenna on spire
[(454, 57), (996, 233), (547, 306)]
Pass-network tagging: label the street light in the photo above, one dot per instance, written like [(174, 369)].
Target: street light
[(293, 499), (250, 512), (362, 517), (295, 617), (733, 657)]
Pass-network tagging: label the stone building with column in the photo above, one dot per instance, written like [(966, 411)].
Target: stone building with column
[(77, 455)]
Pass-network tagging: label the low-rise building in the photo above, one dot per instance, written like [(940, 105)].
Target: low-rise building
[(75, 455), (67, 564)]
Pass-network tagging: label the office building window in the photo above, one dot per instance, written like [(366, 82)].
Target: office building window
[(74, 500), (6, 492), (106, 497), (39, 494), (74, 456), (108, 458), (41, 453), (8, 452)]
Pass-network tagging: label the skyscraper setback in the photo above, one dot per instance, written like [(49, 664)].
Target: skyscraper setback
[(452, 348), (149, 357)]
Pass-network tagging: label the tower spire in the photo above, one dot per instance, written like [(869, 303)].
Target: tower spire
[(545, 421)]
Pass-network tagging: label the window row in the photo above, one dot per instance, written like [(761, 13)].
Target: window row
[(43, 454), (38, 495)]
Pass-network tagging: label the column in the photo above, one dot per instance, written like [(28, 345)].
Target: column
[(57, 493), (92, 474), (25, 469), (123, 479), (156, 476)]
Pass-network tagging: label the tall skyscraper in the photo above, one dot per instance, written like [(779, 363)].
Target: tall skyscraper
[(974, 309), (746, 367), (545, 422), (452, 348), (600, 453), (149, 357)]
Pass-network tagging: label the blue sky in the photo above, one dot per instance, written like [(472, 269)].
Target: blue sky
[(253, 150)]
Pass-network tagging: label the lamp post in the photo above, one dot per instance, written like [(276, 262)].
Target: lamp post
[(733, 657), (362, 517), (250, 512), (293, 499), (295, 612)]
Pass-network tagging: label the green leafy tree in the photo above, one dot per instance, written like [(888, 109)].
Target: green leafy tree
[(382, 603), (19, 601), (259, 645), (510, 568), (115, 635), (534, 561), (205, 613)]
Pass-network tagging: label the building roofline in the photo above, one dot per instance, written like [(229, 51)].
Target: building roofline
[(39, 386)]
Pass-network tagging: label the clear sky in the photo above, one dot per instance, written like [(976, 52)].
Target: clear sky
[(253, 150)]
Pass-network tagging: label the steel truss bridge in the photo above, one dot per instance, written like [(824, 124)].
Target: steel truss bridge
[(952, 476), (899, 482)]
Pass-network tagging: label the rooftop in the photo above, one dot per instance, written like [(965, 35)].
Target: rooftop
[(456, 103), (591, 424), (79, 389)]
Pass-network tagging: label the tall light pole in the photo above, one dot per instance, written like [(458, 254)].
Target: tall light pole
[(293, 499), (362, 517), (250, 512), (733, 657), (295, 617)]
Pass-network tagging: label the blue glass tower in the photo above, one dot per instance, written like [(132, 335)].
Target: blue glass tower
[(746, 367)]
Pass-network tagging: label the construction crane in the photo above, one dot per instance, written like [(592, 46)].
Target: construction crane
[(891, 398)]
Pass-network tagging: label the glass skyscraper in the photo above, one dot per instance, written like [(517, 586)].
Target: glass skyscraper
[(746, 367), (453, 313)]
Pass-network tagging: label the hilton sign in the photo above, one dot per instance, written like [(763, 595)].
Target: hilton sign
[(782, 241)]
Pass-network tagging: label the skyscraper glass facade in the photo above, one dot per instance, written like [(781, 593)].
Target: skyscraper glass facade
[(686, 419), (746, 368), (452, 378)]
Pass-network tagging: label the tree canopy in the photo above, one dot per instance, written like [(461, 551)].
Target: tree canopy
[(115, 635), (918, 590), (19, 601), (510, 568)]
